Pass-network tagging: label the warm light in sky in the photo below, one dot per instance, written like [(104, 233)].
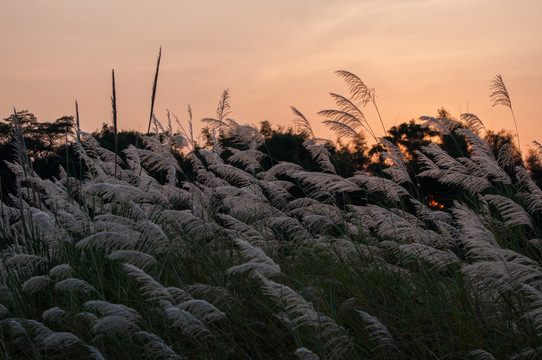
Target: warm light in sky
[(418, 55)]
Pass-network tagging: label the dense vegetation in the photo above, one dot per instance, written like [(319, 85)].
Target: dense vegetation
[(425, 246)]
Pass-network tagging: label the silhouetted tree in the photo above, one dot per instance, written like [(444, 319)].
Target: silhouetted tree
[(47, 144), (502, 145), (106, 139), (351, 157), (409, 137)]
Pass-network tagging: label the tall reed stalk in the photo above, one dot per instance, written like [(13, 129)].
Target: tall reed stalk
[(78, 134), (114, 105), (154, 85)]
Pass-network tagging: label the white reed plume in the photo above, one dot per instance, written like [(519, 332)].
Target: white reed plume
[(391, 191), (86, 318), (216, 295), (317, 147), (528, 354), (247, 135), (442, 125), (512, 213), (338, 342), (154, 347), (443, 159), (159, 161), (320, 184), (25, 260), (107, 240), (377, 331), (104, 308), (185, 321), (202, 309), (319, 150), (472, 122), (503, 275), (437, 258), (62, 341), (222, 120), (535, 314), (500, 96), (307, 206), (54, 314), (481, 355), (114, 325), (187, 134), (74, 285), (450, 171), (184, 220), (318, 223), (242, 228), (178, 295), (530, 192), (110, 222), (287, 225), (134, 257), (482, 155), (276, 192), (249, 158), (116, 192), (35, 284), (244, 206), (148, 286), (393, 153), (94, 353), (359, 92), (538, 149), (390, 226), (232, 175), (259, 262), (478, 240), (305, 354), (153, 237), (282, 168), (426, 213), (479, 146), (4, 312), (16, 329)]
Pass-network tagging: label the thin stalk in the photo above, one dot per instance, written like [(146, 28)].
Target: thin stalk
[(78, 140), (23, 154), (516, 126), (379, 116), (154, 85), (114, 105), (67, 155)]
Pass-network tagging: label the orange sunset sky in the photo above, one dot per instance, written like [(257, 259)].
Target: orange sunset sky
[(419, 55)]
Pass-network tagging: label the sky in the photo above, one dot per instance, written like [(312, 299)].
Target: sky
[(418, 55)]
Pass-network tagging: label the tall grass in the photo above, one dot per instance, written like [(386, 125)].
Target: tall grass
[(114, 108), (154, 86), (229, 264)]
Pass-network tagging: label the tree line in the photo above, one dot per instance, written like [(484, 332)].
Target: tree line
[(50, 146)]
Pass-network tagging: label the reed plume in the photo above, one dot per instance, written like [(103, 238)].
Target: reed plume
[(500, 96)]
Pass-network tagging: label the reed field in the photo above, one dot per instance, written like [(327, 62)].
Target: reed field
[(136, 257)]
